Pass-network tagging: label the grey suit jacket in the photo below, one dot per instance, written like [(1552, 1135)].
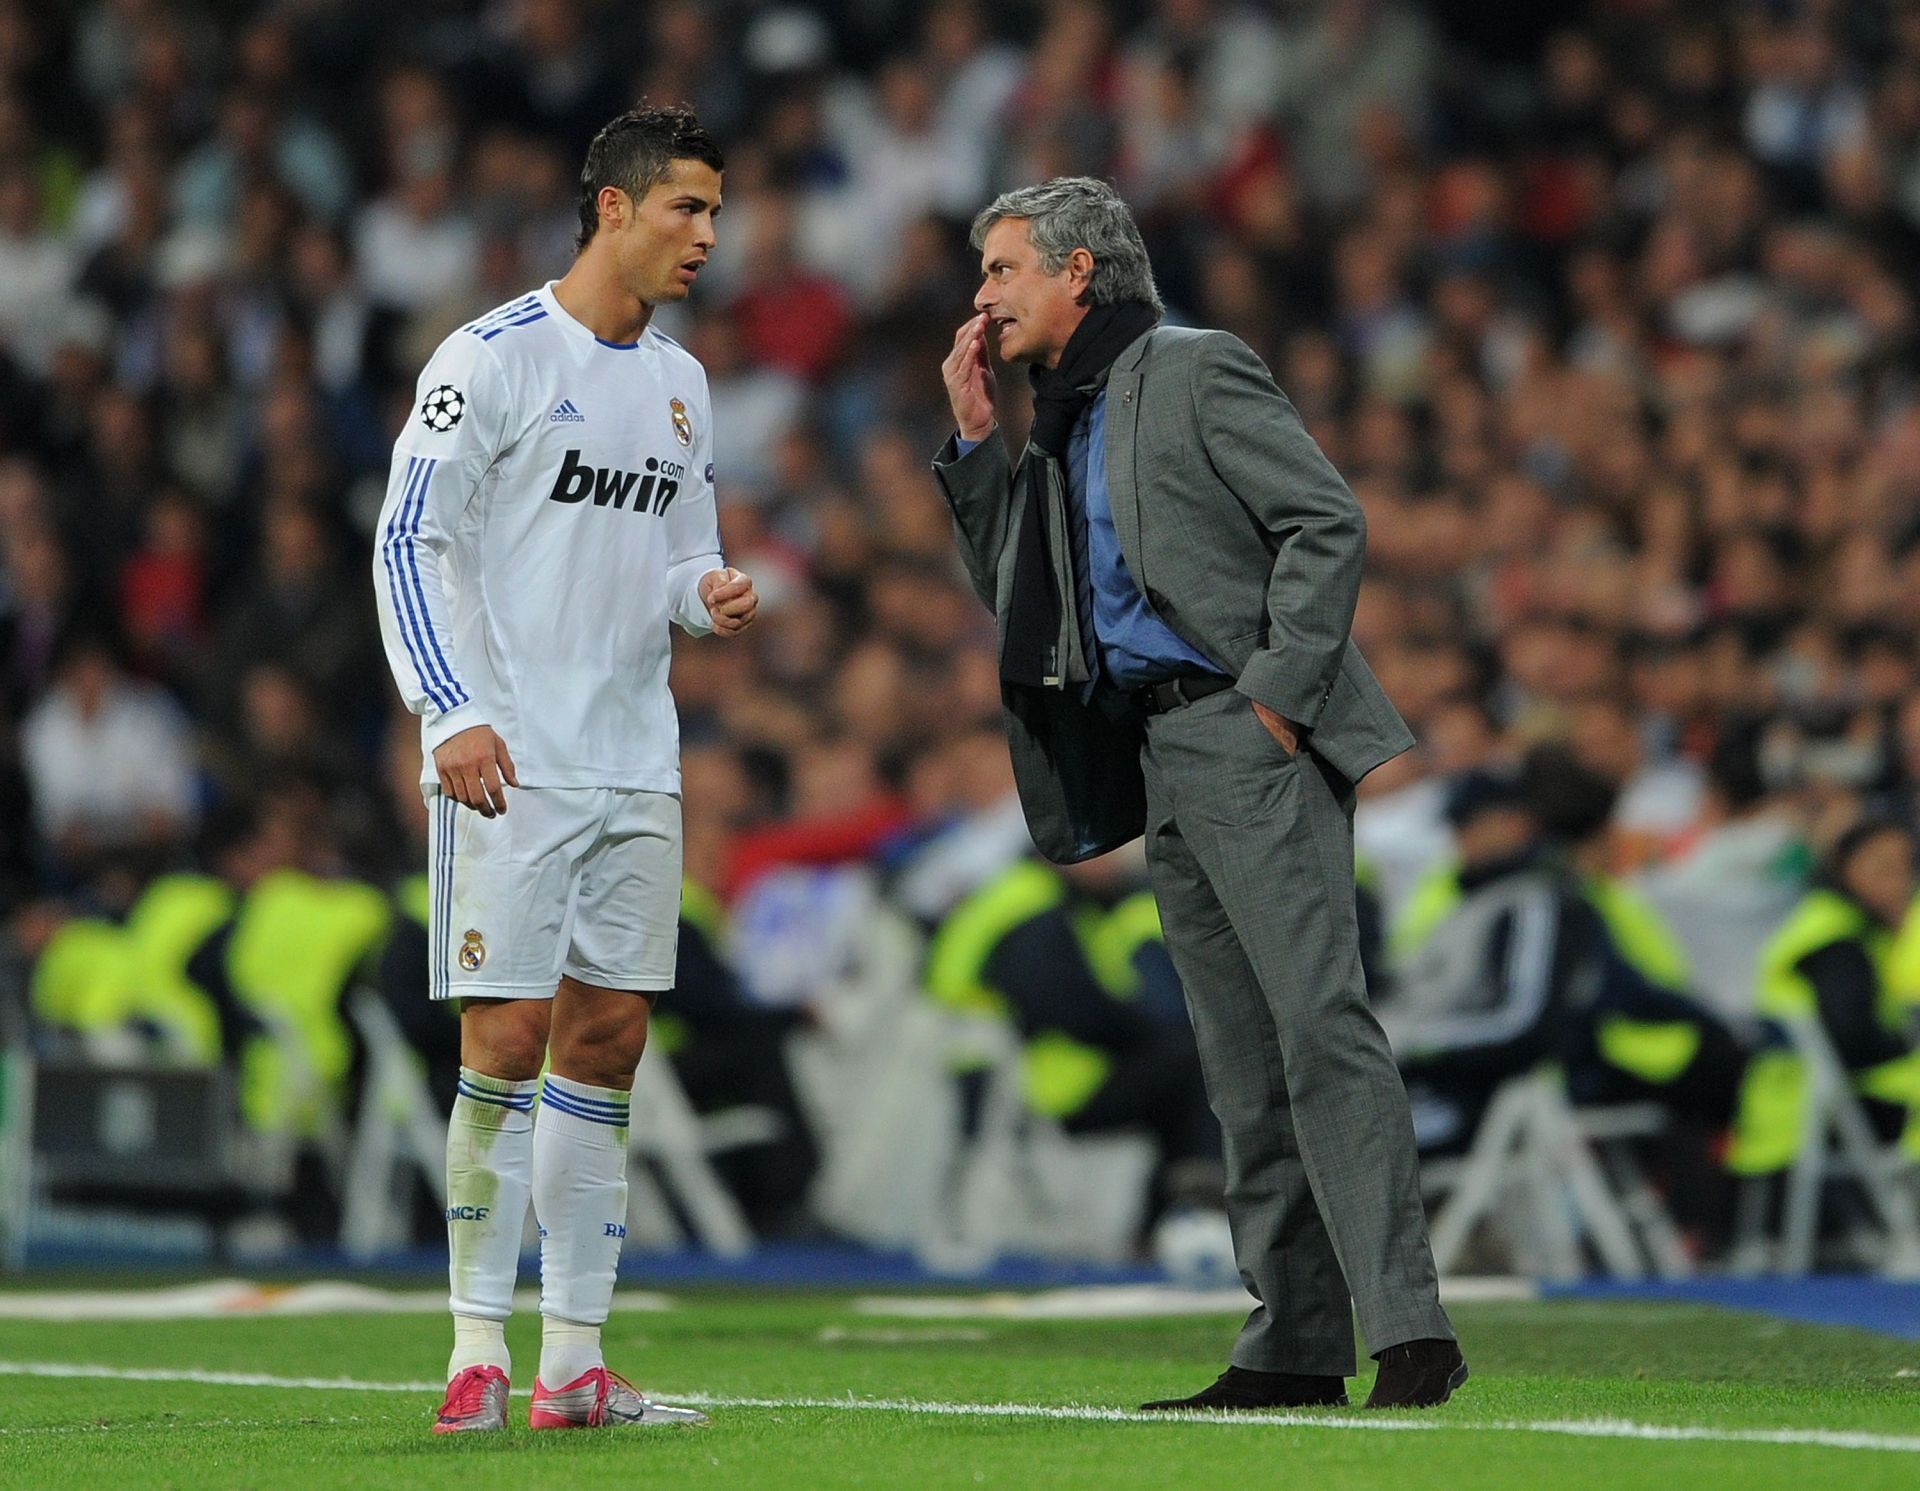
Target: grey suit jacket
[(1245, 541)]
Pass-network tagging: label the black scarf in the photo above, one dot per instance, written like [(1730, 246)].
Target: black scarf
[(1041, 650)]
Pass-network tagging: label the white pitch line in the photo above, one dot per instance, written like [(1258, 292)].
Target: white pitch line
[(215, 1379), (1831, 1439)]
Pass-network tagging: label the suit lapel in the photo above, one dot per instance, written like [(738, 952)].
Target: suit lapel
[(1122, 421)]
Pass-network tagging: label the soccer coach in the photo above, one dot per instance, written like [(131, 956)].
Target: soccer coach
[(1173, 565)]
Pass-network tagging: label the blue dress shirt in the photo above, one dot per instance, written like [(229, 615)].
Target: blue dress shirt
[(1134, 647)]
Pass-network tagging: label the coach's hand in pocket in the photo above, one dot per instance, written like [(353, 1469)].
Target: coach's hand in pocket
[(475, 770), (1279, 727), (729, 599)]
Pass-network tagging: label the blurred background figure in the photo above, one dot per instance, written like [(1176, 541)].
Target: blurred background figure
[(109, 763), (1057, 953)]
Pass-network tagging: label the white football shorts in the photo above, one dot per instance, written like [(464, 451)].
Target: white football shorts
[(582, 881)]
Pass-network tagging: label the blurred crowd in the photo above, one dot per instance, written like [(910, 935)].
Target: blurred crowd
[(1606, 312)]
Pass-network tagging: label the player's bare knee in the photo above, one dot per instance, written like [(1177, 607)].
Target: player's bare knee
[(505, 1037), (599, 1035), (603, 1052)]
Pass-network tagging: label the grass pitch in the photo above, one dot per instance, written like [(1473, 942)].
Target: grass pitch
[(807, 1391)]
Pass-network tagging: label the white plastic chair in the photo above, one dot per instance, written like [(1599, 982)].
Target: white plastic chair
[(1022, 1183), (1554, 1176), (400, 1132), (1837, 1141)]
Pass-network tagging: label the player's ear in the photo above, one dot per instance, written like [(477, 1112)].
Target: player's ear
[(615, 207)]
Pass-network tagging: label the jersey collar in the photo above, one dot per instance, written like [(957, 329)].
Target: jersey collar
[(580, 329)]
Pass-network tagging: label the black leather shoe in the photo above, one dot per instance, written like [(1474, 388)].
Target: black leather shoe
[(1241, 1388), (1418, 1374)]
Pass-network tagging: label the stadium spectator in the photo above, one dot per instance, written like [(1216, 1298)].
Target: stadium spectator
[(1047, 950), (37, 269), (1833, 959), (109, 763), (1536, 961)]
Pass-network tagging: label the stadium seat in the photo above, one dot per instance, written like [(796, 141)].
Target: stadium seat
[(401, 1132), (669, 1147), (1020, 1183), (1552, 1177), (1838, 1143)]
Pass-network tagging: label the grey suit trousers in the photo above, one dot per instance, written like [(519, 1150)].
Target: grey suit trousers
[(1251, 854)]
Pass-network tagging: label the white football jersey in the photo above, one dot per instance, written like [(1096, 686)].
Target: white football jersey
[(549, 511)]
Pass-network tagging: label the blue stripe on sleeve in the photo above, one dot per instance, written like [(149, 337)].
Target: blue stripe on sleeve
[(412, 505), (500, 313), (402, 601), (539, 315), (417, 595), (454, 690)]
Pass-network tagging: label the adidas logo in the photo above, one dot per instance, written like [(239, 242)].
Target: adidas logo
[(566, 414)]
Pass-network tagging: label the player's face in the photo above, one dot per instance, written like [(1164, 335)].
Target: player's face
[(671, 233), (1031, 314)]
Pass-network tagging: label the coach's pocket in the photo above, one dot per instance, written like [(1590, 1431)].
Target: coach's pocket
[(1266, 745)]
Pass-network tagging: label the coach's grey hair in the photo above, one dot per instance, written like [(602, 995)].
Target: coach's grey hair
[(1071, 212)]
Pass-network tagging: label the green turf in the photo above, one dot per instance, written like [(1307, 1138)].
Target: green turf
[(1652, 1364)]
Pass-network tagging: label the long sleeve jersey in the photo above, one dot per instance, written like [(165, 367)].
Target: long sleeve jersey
[(549, 511)]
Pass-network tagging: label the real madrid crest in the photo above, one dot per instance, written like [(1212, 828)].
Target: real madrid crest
[(682, 426), (473, 951)]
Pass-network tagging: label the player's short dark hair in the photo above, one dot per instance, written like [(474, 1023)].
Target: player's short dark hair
[(634, 152)]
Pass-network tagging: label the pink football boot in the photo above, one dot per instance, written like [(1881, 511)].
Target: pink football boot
[(476, 1399), (599, 1399)]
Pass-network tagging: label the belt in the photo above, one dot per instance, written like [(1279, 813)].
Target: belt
[(1158, 698)]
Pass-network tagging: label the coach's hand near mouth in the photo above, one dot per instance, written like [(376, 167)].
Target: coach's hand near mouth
[(475, 770), (729, 599), (971, 387)]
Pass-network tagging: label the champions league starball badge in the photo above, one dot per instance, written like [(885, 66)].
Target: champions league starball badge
[(443, 408)]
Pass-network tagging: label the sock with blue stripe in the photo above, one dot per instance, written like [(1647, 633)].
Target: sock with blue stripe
[(580, 1202), (489, 1181)]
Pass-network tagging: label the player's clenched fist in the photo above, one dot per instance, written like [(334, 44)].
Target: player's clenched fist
[(969, 380), (729, 599), (475, 770)]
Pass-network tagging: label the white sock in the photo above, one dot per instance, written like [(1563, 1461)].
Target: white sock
[(580, 1202), (478, 1343), (567, 1349), (489, 1180)]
